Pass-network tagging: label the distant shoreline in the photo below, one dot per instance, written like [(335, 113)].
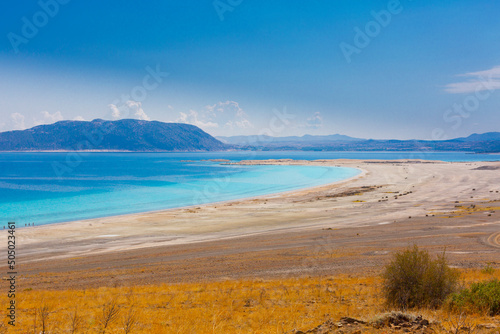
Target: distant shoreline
[(236, 150)]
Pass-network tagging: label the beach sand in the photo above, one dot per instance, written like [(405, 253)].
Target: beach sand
[(349, 226)]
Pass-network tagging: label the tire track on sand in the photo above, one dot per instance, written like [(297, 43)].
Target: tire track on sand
[(494, 240)]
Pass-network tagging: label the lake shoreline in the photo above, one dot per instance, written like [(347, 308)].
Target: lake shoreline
[(239, 217), (171, 186), (392, 204), (184, 207)]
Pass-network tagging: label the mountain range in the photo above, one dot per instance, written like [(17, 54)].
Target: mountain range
[(488, 136), (122, 135), (153, 136), (480, 143), (255, 139)]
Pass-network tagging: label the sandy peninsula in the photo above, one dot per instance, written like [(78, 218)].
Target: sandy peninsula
[(352, 225)]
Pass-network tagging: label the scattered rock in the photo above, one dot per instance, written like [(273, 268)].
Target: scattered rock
[(399, 320), (347, 320), (324, 328), (487, 168), (486, 326), (395, 322)]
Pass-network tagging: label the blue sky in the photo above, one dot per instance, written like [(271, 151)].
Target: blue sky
[(373, 69)]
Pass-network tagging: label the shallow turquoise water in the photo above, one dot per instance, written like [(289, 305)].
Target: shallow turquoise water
[(55, 187), (40, 189)]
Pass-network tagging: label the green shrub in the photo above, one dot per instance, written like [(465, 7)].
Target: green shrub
[(483, 297), (413, 279)]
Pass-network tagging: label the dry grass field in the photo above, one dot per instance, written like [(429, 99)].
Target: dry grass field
[(233, 306)]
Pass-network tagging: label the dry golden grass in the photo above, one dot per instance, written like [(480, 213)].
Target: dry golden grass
[(462, 209), (236, 306)]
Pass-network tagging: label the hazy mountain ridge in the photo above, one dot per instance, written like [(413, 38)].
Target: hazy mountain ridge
[(480, 143), (120, 135), (488, 136), (239, 140)]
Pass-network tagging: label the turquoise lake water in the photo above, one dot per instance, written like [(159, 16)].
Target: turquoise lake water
[(44, 188)]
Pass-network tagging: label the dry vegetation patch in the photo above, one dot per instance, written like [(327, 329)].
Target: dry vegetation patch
[(233, 306)]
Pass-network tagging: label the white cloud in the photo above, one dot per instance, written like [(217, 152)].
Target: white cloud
[(115, 112), (315, 121), (139, 113), (78, 118), (49, 118), (17, 121), (230, 115), (183, 118), (227, 115), (192, 118), (131, 109), (478, 81)]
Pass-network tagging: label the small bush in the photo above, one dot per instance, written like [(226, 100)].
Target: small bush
[(413, 280), (483, 297), (489, 270)]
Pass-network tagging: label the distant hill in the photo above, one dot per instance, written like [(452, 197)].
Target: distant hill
[(477, 143), (488, 136), (122, 135), (246, 140)]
